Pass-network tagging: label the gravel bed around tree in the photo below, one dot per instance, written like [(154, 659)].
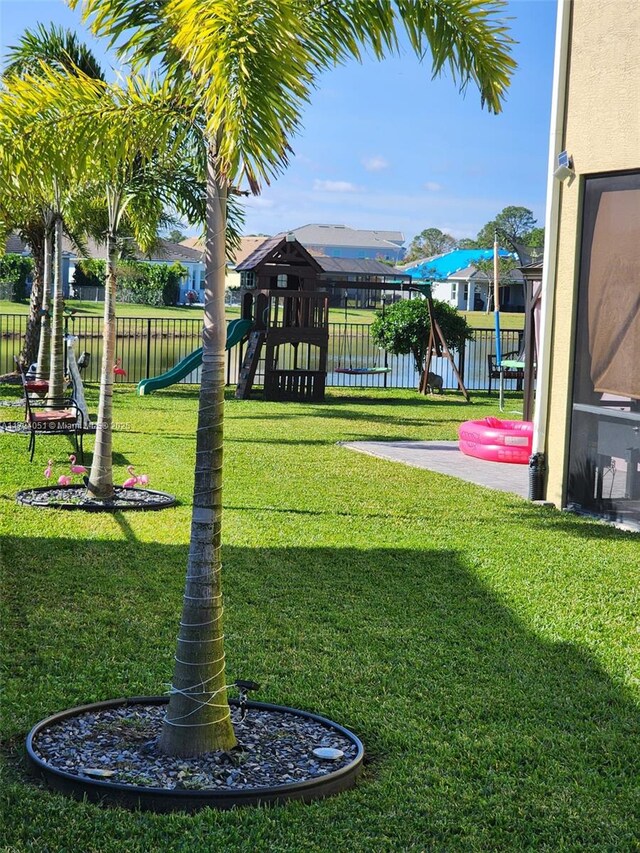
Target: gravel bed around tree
[(75, 497), (120, 745)]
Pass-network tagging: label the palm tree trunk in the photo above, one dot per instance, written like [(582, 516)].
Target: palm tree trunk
[(44, 346), (100, 485), (198, 717), (30, 345), (56, 359)]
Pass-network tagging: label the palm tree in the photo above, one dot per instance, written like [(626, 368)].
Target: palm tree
[(21, 212), (134, 195), (137, 160), (252, 64), (57, 48), (24, 170), (162, 165)]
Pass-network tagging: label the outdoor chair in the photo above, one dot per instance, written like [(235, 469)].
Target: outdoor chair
[(30, 384), (44, 418), (507, 372)]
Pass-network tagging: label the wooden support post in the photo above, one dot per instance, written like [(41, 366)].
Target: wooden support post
[(438, 346)]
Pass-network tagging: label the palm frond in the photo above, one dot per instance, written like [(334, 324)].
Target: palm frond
[(55, 46), (254, 63)]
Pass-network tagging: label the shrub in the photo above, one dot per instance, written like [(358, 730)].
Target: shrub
[(171, 290), (149, 284), (14, 272), (89, 272), (404, 328)]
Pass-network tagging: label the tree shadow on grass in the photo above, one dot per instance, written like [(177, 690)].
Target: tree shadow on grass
[(294, 442), (355, 513), (374, 417), (485, 734), (188, 392), (387, 398), (232, 414)]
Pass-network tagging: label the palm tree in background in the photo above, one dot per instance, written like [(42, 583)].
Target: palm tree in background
[(33, 155), (123, 148), (251, 66), (159, 168), (20, 211), (55, 47)]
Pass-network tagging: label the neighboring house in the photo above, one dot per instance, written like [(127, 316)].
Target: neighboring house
[(587, 417), (17, 246), (283, 262), (333, 241), (460, 284), (165, 252), (247, 246), (170, 253), (470, 290), (340, 241)]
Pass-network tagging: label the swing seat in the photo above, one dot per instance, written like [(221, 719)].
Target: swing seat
[(361, 370)]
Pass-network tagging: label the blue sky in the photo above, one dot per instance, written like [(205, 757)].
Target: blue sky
[(383, 146)]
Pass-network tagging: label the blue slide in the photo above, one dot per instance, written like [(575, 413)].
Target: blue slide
[(236, 330)]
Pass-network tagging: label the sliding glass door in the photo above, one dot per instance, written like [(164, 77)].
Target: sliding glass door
[(604, 452)]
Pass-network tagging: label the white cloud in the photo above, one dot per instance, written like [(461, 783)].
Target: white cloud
[(258, 201), (433, 186), (335, 186), (375, 164)]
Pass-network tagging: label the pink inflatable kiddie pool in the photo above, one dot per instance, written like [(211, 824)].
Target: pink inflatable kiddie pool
[(496, 440)]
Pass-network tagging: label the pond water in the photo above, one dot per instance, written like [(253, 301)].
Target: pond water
[(149, 347)]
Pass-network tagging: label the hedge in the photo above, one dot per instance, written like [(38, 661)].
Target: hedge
[(14, 272)]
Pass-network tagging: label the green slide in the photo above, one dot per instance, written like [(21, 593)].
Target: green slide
[(236, 330)]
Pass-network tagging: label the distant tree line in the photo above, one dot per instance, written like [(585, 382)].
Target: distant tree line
[(515, 227)]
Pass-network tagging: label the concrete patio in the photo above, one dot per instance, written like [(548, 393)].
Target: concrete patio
[(444, 457)]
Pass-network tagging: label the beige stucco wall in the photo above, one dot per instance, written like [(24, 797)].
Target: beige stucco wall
[(602, 134)]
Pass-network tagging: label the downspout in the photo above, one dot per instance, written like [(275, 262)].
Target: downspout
[(537, 463)]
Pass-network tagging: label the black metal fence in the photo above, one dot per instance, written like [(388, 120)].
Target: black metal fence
[(148, 347)]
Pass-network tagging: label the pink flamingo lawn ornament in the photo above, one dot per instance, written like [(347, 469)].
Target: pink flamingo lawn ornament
[(48, 471), (118, 369), (76, 469), (64, 480), (135, 480), (132, 479)]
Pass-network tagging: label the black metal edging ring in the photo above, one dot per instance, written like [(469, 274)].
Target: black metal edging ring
[(166, 500), (165, 800)]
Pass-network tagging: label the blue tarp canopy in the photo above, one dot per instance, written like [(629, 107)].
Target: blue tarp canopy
[(441, 267)]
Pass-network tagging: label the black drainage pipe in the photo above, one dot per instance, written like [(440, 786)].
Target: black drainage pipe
[(537, 472)]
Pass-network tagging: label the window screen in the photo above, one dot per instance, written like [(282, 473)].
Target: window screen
[(604, 453)]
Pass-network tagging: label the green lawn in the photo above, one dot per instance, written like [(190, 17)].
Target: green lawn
[(482, 320), (96, 309), (476, 319), (485, 650)]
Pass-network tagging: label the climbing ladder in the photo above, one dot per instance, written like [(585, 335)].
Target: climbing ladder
[(250, 365)]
